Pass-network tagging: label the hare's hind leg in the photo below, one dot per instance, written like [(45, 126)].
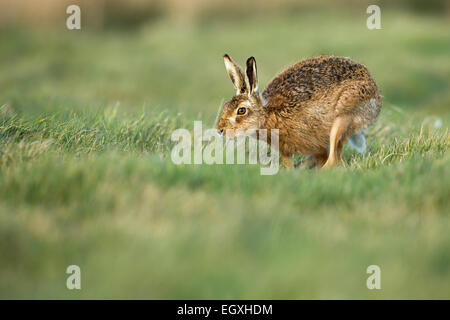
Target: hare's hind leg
[(358, 105), (321, 159), (338, 135)]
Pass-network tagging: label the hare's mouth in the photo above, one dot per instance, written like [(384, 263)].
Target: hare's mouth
[(236, 133), (230, 134)]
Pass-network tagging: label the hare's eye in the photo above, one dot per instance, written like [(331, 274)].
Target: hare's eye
[(241, 111)]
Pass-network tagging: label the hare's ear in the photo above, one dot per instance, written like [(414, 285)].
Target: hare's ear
[(236, 75), (252, 75)]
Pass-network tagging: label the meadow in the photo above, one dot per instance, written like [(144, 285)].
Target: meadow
[(86, 176)]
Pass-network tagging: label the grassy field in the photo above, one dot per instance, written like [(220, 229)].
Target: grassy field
[(86, 176)]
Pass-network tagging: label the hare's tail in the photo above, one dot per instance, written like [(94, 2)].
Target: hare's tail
[(358, 141)]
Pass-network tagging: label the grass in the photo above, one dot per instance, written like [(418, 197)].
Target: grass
[(86, 176)]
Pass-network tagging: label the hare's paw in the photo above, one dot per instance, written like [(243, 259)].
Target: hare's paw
[(287, 161), (315, 161), (307, 163)]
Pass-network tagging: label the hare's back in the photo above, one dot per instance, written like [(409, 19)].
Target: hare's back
[(314, 78)]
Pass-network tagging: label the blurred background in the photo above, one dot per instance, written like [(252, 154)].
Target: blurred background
[(103, 14), (169, 53), (86, 176)]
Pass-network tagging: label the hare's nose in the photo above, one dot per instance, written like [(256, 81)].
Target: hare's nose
[(220, 132)]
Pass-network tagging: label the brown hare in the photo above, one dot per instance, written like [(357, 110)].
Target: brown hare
[(316, 104)]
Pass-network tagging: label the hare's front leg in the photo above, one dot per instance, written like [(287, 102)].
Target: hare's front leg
[(338, 134), (317, 160), (287, 161)]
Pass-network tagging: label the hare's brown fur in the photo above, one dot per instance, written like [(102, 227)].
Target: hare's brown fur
[(316, 104)]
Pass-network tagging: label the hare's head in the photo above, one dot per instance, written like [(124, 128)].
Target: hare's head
[(244, 111)]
